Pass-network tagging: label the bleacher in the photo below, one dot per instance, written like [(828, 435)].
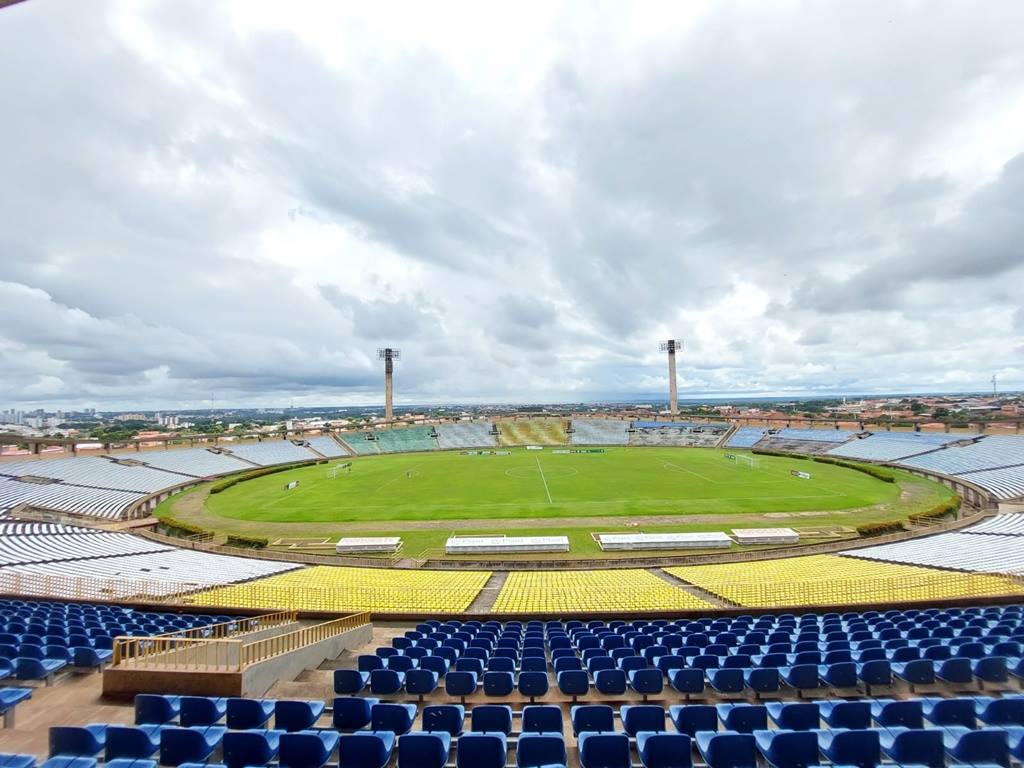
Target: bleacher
[(532, 432), (745, 437), (838, 580), (64, 497), (590, 591), (271, 452), (986, 453), (676, 433), (331, 588), (600, 432), (102, 564), (39, 639), (1004, 525), (94, 472), (781, 691), (466, 434), (361, 443), (327, 446), (890, 446), (1006, 483), (814, 435), (985, 553), (404, 439), (195, 462)]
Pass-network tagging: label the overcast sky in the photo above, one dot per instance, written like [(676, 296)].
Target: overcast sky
[(241, 201)]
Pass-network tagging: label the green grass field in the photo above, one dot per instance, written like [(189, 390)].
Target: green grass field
[(425, 497)]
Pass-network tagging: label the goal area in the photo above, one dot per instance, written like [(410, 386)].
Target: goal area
[(742, 460)]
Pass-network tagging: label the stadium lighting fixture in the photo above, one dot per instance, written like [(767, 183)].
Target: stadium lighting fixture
[(672, 346), (389, 355)]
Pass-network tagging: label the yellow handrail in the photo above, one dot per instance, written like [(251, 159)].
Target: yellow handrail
[(268, 647)]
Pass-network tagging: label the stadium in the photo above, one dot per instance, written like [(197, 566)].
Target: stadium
[(336, 429)]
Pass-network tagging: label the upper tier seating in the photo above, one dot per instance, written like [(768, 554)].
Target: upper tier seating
[(836, 580), (1006, 483), (94, 472), (63, 497), (60, 545), (600, 432), (987, 553), (676, 434), (1006, 525), (332, 588), (327, 446), (745, 437), (196, 462), (889, 446), (532, 432), (609, 590), (989, 452), (405, 439), (815, 435), (465, 434), (360, 443), (272, 452)]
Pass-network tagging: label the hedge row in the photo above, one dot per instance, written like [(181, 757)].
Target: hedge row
[(179, 528), (223, 485), (885, 475), (250, 542), (938, 512), (760, 452), (878, 529)]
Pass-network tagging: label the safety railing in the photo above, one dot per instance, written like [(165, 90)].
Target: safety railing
[(199, 654), (176, 654), (235, 626), (269, 647)]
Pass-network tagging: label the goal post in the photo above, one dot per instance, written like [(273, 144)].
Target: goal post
[(742, 460)]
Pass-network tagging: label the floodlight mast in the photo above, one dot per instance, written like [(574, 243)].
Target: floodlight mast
[(388, 355), (671, 346)]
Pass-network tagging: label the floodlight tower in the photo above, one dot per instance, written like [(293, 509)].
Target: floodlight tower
[(388, 355), (672, 346)]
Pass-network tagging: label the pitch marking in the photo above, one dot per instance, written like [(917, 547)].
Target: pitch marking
[(544, 480)]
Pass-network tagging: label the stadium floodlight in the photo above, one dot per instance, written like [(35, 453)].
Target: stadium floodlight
[(672, 346), (388, 355)]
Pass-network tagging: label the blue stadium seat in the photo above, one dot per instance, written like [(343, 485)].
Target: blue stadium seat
[(841, 674), (350, 680), (533, 684), (904, 714), (77, 741), (384, 682), (642, 717), (306, 749), (420, 682), (913, 746), (243, 714), (366, 749), (646, 682), (10, 698), (691, 718), (461, 684), (13, 760), (794, 716), (350, 713), (727, 750), (1008, 710), (423, 750), (497, 684), (574, 683), (592, 718), (444, 717), (201, 710), (743, 718), (189, 745), (541, 718), (496, 718), (859, 748), (688, 681), (975, 747), (851, 715), (248, 748), (293, 716), (664, 750), (132, 742), (611, 682), (788, 749), (154, 709), (540, 750), (603, 750), (397, 718), (481, 750)]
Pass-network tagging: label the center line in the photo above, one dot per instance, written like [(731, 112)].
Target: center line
[(544, 480)]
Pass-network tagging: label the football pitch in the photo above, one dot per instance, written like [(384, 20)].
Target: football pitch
[(620, 481)]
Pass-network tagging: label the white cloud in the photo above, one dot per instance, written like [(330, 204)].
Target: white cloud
[(244, 199)]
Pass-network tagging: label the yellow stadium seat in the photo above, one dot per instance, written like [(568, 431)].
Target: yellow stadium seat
[(591, 591), (835, 580), (331, 588)]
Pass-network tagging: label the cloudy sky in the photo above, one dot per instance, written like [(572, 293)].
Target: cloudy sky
[(243, 200)]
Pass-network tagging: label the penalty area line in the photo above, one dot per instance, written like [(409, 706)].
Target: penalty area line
[(544, 480)]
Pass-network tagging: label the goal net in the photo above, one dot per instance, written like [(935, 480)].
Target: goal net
[(742, 460)]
